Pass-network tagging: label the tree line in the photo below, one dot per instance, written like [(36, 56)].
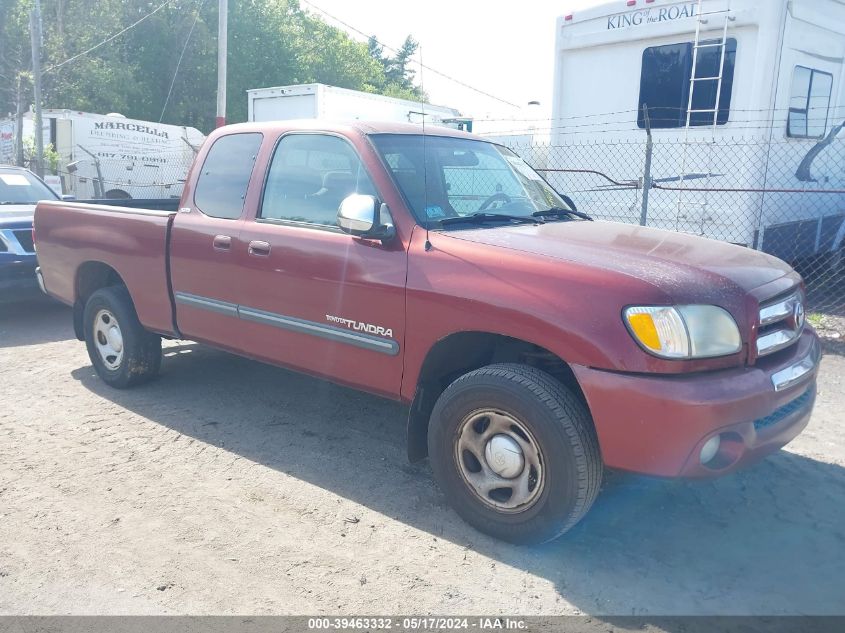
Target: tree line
[(271, 43)]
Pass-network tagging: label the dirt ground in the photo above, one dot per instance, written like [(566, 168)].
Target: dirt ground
[(228, 486)]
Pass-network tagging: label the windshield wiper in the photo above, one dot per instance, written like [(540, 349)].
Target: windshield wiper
[(481, 217), (13, 202), (560, 212)]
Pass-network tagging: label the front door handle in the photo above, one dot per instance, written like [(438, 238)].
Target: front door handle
[(258, 248), (222, 242)]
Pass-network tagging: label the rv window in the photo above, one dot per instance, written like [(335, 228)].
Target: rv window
[(665, 84), (809, 101)]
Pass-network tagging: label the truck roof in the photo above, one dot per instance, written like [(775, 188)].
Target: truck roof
[(363, 128)]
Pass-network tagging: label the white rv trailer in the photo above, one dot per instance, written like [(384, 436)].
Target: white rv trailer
[(110, 156), (319, 101), (780, 95)]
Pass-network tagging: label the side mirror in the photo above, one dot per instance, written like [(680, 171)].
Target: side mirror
[(364, 216)]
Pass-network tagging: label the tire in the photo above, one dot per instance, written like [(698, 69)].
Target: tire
[(130, 357), (556, 437)]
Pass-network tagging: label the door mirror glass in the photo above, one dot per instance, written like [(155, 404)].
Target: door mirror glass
[(361, 216)]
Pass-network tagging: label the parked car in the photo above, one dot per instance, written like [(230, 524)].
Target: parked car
[(20, 190), (533, 346)]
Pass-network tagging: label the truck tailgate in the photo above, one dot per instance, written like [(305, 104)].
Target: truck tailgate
[(72, 238)]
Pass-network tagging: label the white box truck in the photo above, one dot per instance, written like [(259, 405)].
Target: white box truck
[(776, 71), (319, 101), (110, 156)]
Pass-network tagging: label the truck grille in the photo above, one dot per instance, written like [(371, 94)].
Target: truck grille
[(788, 409), (781, 322), (24, 238)]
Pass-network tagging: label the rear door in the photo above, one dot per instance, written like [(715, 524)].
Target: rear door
[(312, 297), (204, 243)]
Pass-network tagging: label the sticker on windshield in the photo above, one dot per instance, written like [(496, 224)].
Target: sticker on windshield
[(433, 211), (16, 180)]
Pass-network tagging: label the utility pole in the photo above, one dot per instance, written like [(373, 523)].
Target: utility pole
[(222, 42), (19, 124), (35, 33), (647, 182)]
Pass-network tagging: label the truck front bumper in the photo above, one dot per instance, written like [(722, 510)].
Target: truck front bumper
[(658, 424), (18, 280)]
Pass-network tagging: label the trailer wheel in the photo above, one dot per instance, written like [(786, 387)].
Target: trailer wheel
[(121, 350), (515, 453)]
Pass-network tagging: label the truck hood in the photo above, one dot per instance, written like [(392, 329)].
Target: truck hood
[(16, 214), (665, 259)]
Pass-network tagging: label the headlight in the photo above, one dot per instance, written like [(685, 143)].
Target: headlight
[(684, 331)]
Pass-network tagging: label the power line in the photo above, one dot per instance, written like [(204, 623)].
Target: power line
[(200, 5), (393, 50), (109, 39)]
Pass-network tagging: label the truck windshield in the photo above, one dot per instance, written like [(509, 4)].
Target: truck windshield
[(21, 187), (445, 177)]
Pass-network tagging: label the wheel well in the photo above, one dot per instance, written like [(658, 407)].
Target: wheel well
[(463, 352), (90, 277), (117, 194)]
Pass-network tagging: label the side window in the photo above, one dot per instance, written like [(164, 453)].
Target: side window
[(221, 187), (309, 177), (665, 84), (809, 102)]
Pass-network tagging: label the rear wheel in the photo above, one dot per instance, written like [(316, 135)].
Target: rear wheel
[(515, 452), (121, 350)]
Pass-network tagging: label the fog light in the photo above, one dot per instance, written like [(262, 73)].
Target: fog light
[(710, 448)]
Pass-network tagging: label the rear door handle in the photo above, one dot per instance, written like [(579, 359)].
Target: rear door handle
[(222, 242), (258, 248)]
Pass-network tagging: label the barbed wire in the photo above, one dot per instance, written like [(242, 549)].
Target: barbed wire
[(574, 129), (638, 111)]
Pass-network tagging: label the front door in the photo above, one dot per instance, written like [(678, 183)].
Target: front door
[(312, 297)]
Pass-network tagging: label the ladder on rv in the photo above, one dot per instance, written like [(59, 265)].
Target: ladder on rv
[(682, 220)]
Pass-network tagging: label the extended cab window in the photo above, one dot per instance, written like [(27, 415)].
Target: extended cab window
[(809, 101), (221, 187), (309, 177), (665, 84)]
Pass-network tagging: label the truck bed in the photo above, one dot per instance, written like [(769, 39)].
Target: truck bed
[(132, 242)]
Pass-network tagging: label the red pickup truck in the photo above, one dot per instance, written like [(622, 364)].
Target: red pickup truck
[(533, 346)]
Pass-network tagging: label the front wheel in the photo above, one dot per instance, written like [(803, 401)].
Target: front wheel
[(515, 452), (121, 350)]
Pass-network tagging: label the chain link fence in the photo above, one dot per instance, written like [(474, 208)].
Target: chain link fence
[(109, 176), (783, 198)]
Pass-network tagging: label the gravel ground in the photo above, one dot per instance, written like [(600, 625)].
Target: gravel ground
[(228, 486)]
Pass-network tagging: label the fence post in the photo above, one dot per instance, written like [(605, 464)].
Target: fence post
[(647, 167)]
